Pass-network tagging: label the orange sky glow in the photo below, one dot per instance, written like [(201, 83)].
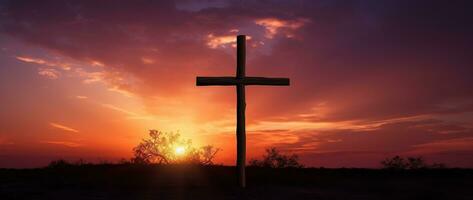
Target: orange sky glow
[(91, 79)]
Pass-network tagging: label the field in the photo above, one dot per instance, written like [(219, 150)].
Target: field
[(124, 181)]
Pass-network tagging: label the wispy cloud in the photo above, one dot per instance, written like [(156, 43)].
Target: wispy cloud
[(223, 41), (62, 127), (31, 60), (90, 77), (146, 60), (110, 106), (4, 141), (81, 97), (39, 61), (49, 73), (114, 80), (130, 114), (361, 95), (274, 26), (220, 41), (456, 144), (122, 91), (64, 143)]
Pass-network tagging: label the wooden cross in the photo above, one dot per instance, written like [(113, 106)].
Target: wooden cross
[(240, 81)]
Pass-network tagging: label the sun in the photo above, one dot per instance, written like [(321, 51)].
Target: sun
[(180, 150)]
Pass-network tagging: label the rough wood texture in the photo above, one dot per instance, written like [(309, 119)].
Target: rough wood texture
[(240, 81), (240, 129), (265, 81), (209, 81), (229, 80)]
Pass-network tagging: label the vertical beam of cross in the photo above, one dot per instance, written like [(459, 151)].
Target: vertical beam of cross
[(241, 106), (240, 81)]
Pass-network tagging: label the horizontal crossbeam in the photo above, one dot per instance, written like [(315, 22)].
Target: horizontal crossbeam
[(230, 80)]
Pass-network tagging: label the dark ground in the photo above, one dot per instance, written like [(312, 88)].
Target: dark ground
[(218, 182)]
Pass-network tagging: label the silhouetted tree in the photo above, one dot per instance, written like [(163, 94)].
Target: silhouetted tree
[(438, 166), (398, 163), (61, 163), (207, 154), (161, 148), (274, 159), (416, 163)]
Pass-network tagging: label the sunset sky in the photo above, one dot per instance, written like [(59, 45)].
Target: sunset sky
[(369, 79)]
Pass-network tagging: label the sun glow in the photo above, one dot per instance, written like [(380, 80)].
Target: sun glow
[(180, 151)]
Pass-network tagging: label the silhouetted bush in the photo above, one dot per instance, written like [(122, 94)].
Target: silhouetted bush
[(207, 154), (59, 164), (395, 162), (399, 163), (416, 163), (162, 148), (438, 166), (274, 159)]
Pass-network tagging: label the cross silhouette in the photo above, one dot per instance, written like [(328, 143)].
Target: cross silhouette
[(240, 81)]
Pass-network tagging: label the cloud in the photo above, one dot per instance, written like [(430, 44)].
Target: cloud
[(448, 145), (274, 26), (63, 127), (31, 60), (5, 141), (119, 109), (130, 114), (63, 143), (363, 73), (367, 147), (147, 60), (81, 97), (49, 73), (220, 41), (39, 61), (114, 79)]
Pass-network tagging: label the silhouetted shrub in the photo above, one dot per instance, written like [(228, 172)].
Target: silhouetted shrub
[(416, 163), (207, 154), (438, 166), (274, 159), (59, 164), (168, 148), (399, 163), (124, 161)]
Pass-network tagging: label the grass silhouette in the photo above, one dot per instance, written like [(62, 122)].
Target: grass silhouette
[(189, 181)]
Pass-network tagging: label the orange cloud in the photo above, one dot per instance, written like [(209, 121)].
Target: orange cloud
[(220, 41), (274, 26), (81, 97), (457, 144), (115, 81), (130, 114), (4, 141), (90, 77), (223, 41), (306, 125), (119, 109), (64, 143), (367, 92), (97, 63), (63, 66), (31, 60), (146, 60), (49, 73), (62, 127)]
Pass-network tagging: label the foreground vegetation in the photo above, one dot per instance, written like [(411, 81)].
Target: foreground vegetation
[(192, 181), (168, 167)]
